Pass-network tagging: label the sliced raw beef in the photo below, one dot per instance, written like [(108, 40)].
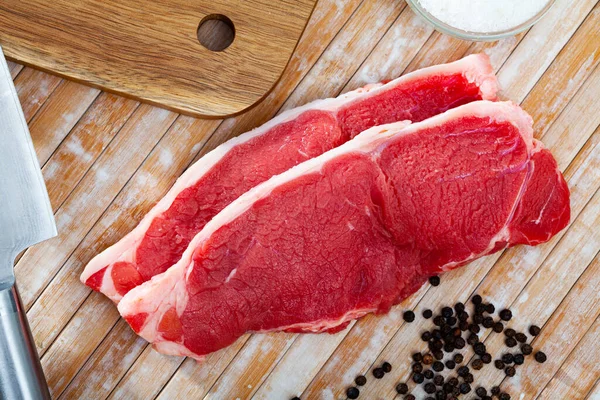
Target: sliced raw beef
[(293, 137), (356, 230)]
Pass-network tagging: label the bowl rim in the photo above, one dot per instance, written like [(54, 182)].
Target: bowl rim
[(477, 36)]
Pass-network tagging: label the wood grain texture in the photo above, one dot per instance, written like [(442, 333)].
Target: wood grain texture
[(150, 50), (84, 136)]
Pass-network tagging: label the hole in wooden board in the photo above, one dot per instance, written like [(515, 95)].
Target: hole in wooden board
[(216, 32)]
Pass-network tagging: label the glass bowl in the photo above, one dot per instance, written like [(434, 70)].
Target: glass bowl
[(476, 36)]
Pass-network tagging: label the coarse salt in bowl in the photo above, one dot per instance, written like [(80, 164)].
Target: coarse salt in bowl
[(481, 19)]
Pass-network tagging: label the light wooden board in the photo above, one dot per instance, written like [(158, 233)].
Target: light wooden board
[(151, 50), (108, 159)]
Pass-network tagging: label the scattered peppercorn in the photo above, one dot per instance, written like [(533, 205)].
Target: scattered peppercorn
[(469, 378), (540, 357), (450, 364), (519, 359), (490, 308), (418, 378), (459, 343), (504, 396), (437, 366), (459, 307), (465, 388), (507, 358), (296, 398), (409, 316), (462, 371), (506, 315), (486, 358), (386, 366), (477, 364), (480, 308), (429, 387), (428, 374), (479, 349), (510, 342), (510, 332), (510, 371), (477, 299), (495, 390), (458, 358), (427, 314), (417, 357), (438, 355), (526, 349), (481, 391), (426, 336), (488, 322), (378, 373), (352, 393), (534, 330), (438, 380), (434, 280), (498, 327), (521, 337), (499, 364), (427, 359), (410, 397), (474, 328), (360, 380), (402, 388), (417, 367), (473, 339)]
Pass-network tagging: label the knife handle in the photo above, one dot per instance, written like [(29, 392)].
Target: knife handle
[(21, 374)]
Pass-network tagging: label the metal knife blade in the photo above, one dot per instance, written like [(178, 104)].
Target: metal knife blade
[(25, 213)]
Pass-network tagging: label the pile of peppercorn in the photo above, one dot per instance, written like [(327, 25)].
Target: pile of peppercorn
[(447, 336)]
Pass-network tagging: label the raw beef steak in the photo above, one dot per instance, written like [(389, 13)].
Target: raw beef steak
[(293, 137), (356, 230)]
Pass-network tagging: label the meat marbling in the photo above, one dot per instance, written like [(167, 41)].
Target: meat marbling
[(356, 230)]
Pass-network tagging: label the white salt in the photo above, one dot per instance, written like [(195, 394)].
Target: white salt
[(484, 16)]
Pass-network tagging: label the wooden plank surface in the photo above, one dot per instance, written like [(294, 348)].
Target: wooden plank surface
[(108, 159), (161, 51)]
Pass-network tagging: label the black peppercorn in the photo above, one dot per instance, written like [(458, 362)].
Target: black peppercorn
[(504, 396), (477, 364), (417, 357), (510, 371), (296, 398), (426, 336), (499, 364), (463, 325), (427, 359), (486, 358), (507, 358), (439, 321), (526, 349), (417, 367), (360, 380), (505, 315), (387, 367), (459, 343), (540, 357), (473, 339), (462, 371), (438, 380), (448, 348), (510, 342), (437, 366), (480, 309), (474, 328), (352, 393), (477, 299), (434, 280), (438, 355), (479, 349), (463, 316), (402, 388), (469, 378), (459, 307), (519, 359), (490, 308), (458, 358), (451, 321), (378, 373), (450, 364), (481, 391), (453, 381), (478, 319), (429, 387), (436, 345), (410, 397), (409, 316), (521, 337), (418, 378), (510, 332), (495, 390), (428, 374), (534, 330), (488, 322), (465, 388), (437, 334), (427, 314), (498, 327)]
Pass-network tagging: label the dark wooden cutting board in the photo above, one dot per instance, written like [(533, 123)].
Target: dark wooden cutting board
[(150, 50)]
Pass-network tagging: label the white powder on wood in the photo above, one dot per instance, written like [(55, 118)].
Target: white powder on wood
[(484, 16)]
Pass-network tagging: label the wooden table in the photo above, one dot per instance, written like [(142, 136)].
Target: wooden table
[(107, 160)]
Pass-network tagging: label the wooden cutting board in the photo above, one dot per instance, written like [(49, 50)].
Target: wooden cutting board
[(152, 51)]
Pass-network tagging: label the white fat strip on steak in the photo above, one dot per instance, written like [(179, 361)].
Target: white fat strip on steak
[(172, 283)]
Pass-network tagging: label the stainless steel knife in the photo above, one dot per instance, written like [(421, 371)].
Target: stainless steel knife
[(25, 219)]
